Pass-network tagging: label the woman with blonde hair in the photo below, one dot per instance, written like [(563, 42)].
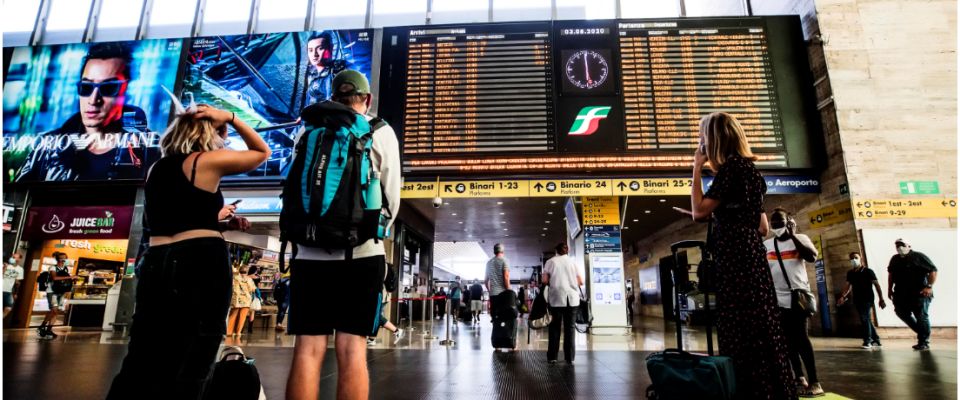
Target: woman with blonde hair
[(748, 326), (184, 288)]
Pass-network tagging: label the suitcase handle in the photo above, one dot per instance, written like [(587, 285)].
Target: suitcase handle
[(680, 353), (687, 244)]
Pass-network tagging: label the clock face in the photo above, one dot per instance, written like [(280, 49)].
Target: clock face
[(586, 69)]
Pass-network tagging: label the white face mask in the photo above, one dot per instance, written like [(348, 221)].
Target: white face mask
[(855, 262), (903, 250), (779, 231)]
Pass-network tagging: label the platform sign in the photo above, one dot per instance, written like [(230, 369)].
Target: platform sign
[(571, 187), (902, 208), (484, 189), (919, 187), (601, 211), (653, 187), (831, 215), (418, 190)]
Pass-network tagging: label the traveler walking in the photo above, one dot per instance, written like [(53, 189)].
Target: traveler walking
[(786, 253), (522, 300), (350, 258), (12, 275), (861, 281), (59, 283), (281, 293), (630, 300), (456, 293), (440, 303), (179, 322), (385, 323), (748, 325), (560, 273), (911, 279), (476, 301), (243, 289)]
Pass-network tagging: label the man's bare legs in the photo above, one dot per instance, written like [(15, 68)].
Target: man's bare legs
[(353, 381), (303, 382)]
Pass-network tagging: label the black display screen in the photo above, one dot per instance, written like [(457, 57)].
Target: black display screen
[(592, 97)]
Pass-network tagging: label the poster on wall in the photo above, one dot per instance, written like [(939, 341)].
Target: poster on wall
[(606, 275), (86, 111), (267, 79)]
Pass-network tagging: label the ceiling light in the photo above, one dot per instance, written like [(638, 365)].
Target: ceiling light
[(453, 214), (549, 212), (634, 220), (505, 229), (499, 203), (663, 200), (553, 202), (646, 211), (544, 228), (626, 227), (502, 213), (547, 221), (543, 234), (461, 222)]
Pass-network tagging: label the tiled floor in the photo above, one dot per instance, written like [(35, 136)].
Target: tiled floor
[(606, 367)]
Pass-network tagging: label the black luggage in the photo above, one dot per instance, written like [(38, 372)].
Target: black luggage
[(677, 374), (465, 314), (234, 377), (504, 305), (504, 333)]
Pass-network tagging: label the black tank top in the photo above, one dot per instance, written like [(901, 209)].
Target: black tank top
[(173, 204)]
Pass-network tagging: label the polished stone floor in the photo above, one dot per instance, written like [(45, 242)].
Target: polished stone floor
[(606, 367)]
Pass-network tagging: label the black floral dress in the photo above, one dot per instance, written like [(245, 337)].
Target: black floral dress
[(748, 326)]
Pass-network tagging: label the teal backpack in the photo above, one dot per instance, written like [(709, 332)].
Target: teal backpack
[(331, 196)]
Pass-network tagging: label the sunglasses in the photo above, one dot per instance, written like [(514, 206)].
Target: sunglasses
[(109, 88)]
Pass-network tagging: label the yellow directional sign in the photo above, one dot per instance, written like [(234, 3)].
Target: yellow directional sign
[(830, 215), (601, 211), (418, 190), (652, 187), (571, 187), (484, 189), (901, 208)]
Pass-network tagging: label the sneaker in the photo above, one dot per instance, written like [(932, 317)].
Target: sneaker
[(552, 361), (42, 332), (876, 343), (922, 347), (371, 341), (54, 335), (815, 390), (399, 334), (865, 346)]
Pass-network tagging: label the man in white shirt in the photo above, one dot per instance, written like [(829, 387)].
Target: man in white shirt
[(12, 275), (563, 296), (330, 292), (786, 253)]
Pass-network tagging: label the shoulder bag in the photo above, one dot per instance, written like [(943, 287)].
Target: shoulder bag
[(801, 300)]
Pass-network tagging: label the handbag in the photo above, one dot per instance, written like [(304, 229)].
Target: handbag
[(256, 304), (801, 300), (583, 315), (540, 316)]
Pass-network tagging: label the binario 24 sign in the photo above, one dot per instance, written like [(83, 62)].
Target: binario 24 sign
[(98, 222)]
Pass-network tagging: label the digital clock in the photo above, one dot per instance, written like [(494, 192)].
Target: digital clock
[(586, 69)]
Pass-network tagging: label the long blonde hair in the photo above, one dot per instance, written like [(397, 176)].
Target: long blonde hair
[(187, 134), (724, 137)]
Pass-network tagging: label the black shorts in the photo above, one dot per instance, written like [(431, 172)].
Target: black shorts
[(342, 296)]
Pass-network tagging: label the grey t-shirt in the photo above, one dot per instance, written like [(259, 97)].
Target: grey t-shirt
[(495, 268)]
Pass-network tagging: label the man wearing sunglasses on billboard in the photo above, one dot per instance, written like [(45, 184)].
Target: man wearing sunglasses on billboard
[(98, 142)]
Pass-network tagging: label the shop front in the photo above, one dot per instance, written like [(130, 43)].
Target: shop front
[(94, 241)]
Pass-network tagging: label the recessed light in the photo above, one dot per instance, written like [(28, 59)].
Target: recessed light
[(646, 211), (547, 221), (553, 202), (543, 234), (461, 222), (499, 203), (453, 214), (549, 212), (544, 228), (634, 220), (503, 222), (503, 213), (663, 200), (506, 229), (626, 227)]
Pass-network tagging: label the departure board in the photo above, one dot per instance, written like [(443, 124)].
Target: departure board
[(473, 92), (599, 97), (675, 76)]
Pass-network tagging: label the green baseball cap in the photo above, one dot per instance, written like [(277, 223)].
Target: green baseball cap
[(353, 77)]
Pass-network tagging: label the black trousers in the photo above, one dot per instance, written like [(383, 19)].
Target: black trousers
[(562, 316), (795, 328), (183, 296)]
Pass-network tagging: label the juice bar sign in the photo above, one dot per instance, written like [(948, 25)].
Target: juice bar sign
[(108, 222)]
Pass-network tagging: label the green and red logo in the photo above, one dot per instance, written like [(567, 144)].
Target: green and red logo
[(588, 119)]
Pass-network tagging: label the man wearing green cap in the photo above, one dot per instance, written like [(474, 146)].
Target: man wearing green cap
[(332, 290)]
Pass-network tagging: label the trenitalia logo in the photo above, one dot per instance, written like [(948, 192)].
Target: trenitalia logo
[(588, 119)]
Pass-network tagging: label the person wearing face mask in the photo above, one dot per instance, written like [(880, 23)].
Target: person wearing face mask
[(911, 279), (861, 281), (786, 253)]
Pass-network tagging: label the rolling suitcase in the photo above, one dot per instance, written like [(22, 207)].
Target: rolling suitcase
[(504, 333), (677, 374)]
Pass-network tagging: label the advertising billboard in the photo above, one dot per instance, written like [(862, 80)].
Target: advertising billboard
[(267, 79), (87, 111)]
